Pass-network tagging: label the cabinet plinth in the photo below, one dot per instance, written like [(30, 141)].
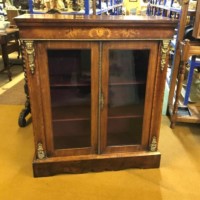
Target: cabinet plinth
[(96, 87)]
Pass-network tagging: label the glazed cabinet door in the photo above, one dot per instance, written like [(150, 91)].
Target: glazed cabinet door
[(128, 81), (70, 96)]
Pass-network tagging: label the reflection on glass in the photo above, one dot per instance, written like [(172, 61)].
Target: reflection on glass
[(70, 89), (127, 85), (121, 131)]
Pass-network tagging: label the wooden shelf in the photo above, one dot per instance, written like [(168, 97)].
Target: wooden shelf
[(127, 83), (59, 85), (69, 113), (126, 111)]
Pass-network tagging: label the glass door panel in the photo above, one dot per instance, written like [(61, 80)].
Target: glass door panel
[(126, 95), (70, 91)]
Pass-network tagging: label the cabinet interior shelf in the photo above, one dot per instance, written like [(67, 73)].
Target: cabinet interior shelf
[(83, 113), (127, 83), (70, 119), (125, 117), (60, 85)]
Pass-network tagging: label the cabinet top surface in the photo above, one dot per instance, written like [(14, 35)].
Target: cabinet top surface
[(94, 27), (82, 20)]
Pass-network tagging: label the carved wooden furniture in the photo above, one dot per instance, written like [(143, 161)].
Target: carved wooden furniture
[(177, 56), (96, 88), (9, 41), (179, 112), (196, 32), (23, 120), (182, 13)]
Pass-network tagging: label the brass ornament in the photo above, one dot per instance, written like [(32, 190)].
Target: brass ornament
[(40, 151), (164, 51), (31, 54), (153, 145)]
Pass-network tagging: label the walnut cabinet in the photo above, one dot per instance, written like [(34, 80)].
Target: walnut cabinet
[(96, 88)]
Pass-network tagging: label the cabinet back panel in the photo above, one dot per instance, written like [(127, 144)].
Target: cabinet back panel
[(124, 131), (72, 134)]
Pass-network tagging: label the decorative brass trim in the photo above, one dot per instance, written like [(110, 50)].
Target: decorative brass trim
[(164, 51), (40, 151), (153, 145), (31, 54)]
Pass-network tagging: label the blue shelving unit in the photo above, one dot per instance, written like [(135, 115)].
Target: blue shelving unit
[(114, 7)]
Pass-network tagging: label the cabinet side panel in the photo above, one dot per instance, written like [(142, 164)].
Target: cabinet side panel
[(151, 81), (45, 94), (158, 93), (35, 93)]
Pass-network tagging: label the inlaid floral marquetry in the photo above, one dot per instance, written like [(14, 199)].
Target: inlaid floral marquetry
[(100, 33)]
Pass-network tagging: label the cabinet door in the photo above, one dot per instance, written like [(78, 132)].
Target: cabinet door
[(128, 79), (70, 106)]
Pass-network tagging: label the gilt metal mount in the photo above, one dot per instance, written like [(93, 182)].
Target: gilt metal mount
[(154, 144), (40, 151), (31, 54), (164, 51)]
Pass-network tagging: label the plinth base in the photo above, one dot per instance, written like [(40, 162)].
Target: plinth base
[(95, 163)]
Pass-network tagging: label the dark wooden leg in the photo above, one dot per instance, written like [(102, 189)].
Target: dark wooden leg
[(6, 61), (22, 122)]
